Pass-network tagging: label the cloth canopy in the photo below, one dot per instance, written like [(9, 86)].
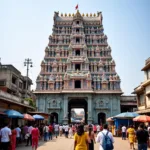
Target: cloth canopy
[(38, 117), (142, 118), (126, 115), (28, 117), (13, 114)]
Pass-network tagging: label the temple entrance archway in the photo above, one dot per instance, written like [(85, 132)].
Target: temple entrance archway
[(101, 118), (54, 117), (77, 103)]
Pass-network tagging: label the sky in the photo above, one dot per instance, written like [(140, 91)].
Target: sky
[(26, 25)]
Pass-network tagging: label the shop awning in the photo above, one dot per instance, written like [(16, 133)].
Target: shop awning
[(143, 111)]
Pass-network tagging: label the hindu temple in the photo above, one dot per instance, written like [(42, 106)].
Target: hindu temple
[(78, 70)]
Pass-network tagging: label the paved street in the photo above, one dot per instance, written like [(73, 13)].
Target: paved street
[(61, 143)]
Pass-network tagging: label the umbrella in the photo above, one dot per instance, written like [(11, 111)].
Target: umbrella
[(142, 118), (38, 117), (109, 119), (13, 114), (28, 117), (126, 115)]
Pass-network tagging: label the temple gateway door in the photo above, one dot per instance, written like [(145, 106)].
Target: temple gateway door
[(77, 103), (101, 118)]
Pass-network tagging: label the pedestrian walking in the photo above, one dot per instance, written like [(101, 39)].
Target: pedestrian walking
[(73, 129), (60, 130), (50, 132), (45, 131), (95, 129), (91, 137), (105, 138), (5, 137), (18, 135), (13, 138), (29, 139), (66, 128), (56, 129), (81, 140), (35, 137), (70, 132), (131, 136), (142, 138), (25, 130), (123, 132), (98, 128)]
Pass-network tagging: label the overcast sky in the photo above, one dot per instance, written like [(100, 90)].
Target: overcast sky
[(26, 25)]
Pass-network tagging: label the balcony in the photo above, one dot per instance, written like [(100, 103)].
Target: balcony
[(7, 96)]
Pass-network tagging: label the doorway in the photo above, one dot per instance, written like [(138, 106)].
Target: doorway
[(81, 105), (54, 117), (101, 118)]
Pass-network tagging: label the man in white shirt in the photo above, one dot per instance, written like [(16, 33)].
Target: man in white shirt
[(56, 129), (5, 136), (18, 130), (60, 130), (100, 136), (66, 128), (124, 133)]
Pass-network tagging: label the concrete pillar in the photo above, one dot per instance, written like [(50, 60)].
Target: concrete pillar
[(65, 118), (90, 110), (81, 84)]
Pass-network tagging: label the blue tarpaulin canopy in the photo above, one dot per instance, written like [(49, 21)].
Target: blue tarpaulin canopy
[(13, 114), (126, 115), (38, 117)]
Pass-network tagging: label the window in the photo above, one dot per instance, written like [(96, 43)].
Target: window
[(77, 30), (77, 40), (141, 99), (20, 85), (77, 22), (77, 66), (77, 52), (2, 83), (77, 84), (14, 80)]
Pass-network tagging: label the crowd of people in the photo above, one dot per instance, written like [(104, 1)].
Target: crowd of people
[(140, 135), (84, 135)]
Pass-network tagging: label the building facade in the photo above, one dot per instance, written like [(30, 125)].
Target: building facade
[(143, 91), (13, 89), (78, 70), (128, 103)]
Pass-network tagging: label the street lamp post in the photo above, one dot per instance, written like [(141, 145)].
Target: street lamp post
[(27, 63)]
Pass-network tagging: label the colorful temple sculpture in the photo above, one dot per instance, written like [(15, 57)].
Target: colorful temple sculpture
[(78, 71)]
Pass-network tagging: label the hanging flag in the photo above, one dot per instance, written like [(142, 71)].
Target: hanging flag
[(76, 7)]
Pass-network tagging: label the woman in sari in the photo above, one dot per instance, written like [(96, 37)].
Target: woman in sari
[(13, 138), (131, 136)]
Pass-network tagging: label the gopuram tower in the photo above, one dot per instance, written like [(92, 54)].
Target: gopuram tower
[(78, 71)]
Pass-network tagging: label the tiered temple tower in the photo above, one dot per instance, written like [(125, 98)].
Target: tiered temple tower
[(78, 70)]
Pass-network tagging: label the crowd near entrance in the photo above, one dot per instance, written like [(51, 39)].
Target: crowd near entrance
[(77, 103)]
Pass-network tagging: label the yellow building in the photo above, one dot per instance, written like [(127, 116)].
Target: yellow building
[(143, 91)]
